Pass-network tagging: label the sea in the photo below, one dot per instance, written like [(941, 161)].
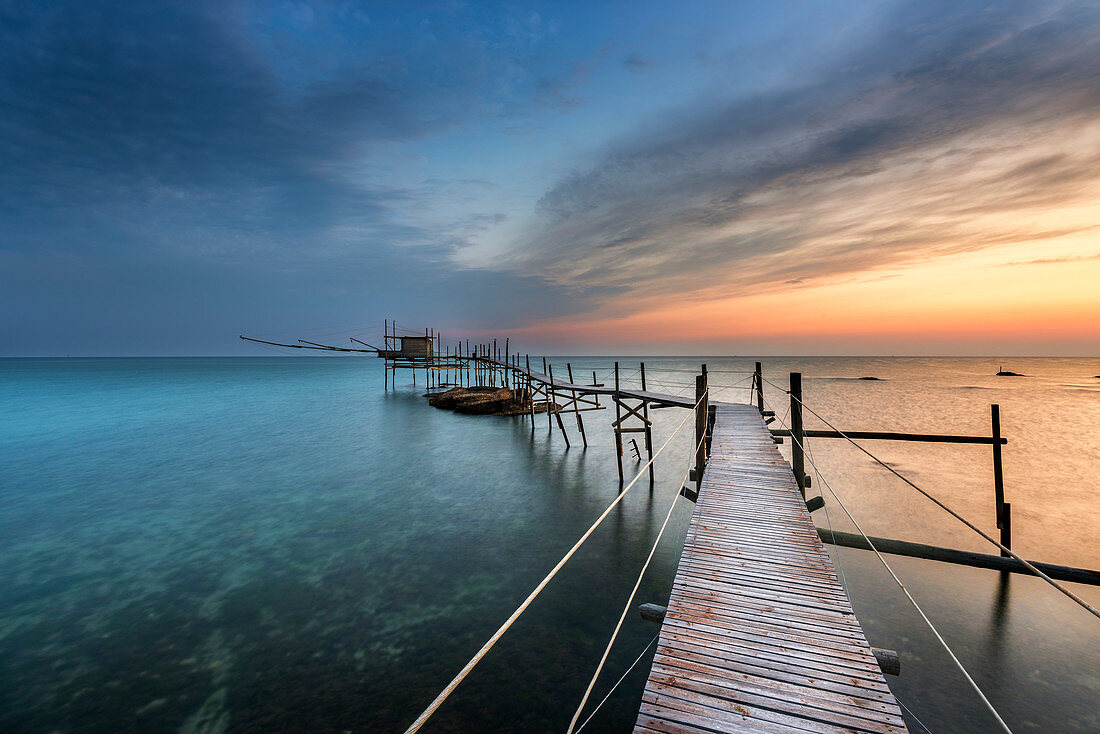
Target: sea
[(277, 544)]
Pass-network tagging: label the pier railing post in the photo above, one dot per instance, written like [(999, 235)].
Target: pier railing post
[(701, 415), (798, 437), (758, 378), (1004, 509)]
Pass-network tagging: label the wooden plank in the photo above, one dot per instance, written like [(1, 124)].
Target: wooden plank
[(759, 635)]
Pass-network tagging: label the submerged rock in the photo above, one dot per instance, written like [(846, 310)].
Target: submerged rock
[(876, 379), (483, 401)]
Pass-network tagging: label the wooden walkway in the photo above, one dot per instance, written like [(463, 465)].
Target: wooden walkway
[(759, 636)]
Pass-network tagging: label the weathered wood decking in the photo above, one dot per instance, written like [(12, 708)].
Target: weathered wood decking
[(759, 636)]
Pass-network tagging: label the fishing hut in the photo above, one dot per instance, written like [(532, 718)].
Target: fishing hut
[(407, 351)]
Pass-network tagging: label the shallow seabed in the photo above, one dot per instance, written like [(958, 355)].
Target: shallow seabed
[(275, 544)]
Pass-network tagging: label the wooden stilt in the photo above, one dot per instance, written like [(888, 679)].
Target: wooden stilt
[(618, 427), (580, 423), (557, 413), (648, 428), (531, 396), (546, 394)]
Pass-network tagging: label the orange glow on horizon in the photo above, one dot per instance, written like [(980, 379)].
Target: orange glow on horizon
[(991, 296)]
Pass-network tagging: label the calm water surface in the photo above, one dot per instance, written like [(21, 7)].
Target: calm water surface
[(273, 544)]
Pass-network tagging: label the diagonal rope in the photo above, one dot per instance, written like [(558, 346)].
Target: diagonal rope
[(450, 687), (958, 517), (633, 593), (621, 679), (910, 712)]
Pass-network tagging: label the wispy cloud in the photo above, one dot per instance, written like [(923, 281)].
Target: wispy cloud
[(931, 139)]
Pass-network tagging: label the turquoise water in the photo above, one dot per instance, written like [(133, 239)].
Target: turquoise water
[(276, 544)]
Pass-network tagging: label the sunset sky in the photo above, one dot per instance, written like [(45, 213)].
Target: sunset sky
[(643, 178)]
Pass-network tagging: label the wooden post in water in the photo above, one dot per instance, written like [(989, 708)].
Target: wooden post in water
[(648, 428), (531, 395), (580, 423), (1004, 509), (557, 413), (618, 428), (508, 359), (700, 427), (798, 437), (546, 395), (758, 375)]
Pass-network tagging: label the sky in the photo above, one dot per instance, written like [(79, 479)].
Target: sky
[(584, 178)]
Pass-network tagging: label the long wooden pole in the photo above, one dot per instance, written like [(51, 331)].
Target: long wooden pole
[(951, 555), (890, 436)]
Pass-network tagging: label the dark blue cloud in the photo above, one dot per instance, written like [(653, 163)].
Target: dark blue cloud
[(172, 173)]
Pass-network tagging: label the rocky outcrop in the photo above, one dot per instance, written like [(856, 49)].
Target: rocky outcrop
[(483, 401)]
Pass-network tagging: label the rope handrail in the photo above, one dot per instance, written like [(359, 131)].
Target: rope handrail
[(954, 514), (633, 593), (450, 687), (621, 679)]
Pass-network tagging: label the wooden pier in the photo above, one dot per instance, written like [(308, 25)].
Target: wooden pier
[(758, 635)]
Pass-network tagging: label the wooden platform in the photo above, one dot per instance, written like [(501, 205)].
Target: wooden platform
[(759, 636)]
